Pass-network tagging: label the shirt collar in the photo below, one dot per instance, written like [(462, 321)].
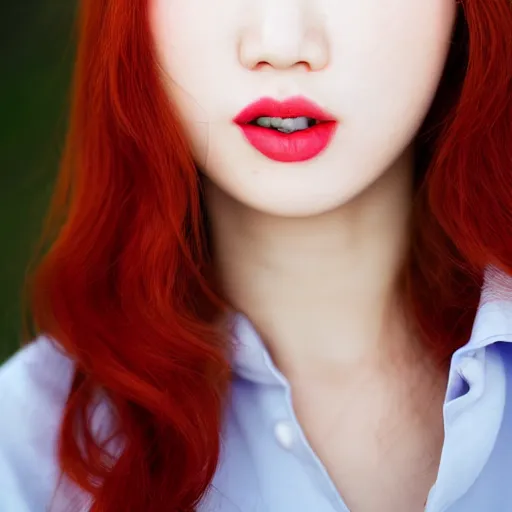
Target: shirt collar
[(493, 323)]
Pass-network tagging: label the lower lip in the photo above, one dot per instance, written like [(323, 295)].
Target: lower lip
[(299, 146)]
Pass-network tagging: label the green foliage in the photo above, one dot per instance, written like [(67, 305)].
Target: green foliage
[(37, 53)]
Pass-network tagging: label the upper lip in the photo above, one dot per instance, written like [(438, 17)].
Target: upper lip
[(296, 106)]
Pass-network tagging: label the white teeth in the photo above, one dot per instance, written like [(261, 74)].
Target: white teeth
[(276, 122), (264, 121), (286, 125)]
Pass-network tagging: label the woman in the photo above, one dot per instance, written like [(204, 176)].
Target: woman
[(280, 277)]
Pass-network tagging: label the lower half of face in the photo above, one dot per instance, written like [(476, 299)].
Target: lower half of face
[(372, 67)]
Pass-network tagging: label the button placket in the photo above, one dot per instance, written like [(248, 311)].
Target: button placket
[(288, 433)]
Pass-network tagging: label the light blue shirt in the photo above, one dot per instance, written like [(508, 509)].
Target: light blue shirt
[(266, 463)]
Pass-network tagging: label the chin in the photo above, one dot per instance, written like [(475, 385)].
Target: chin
[(299, 205)]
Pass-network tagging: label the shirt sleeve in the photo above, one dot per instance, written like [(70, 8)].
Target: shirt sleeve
[(34, 385)]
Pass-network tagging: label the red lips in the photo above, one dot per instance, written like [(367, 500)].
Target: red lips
[(298, 146)]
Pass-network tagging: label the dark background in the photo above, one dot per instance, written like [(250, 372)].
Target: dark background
[(36, 53)]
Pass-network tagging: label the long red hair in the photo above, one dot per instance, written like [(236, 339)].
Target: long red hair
[(126, 287)]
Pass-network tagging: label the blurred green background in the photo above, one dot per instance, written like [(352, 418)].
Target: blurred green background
[(37, 45)]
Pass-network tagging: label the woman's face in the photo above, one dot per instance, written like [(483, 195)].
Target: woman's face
[(373, 66)]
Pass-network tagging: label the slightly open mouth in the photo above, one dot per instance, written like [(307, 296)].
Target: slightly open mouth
[(293, 130)]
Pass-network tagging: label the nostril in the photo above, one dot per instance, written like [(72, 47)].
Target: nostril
[(303, 64), (261, 66)]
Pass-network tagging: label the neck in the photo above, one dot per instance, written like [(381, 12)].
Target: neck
[(320, 290)]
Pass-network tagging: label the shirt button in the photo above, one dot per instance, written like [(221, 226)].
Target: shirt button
[(285, 434)]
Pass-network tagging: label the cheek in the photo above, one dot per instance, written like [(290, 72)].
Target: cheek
[(168, 20), (182, 40), (409, 55), (389, 69)]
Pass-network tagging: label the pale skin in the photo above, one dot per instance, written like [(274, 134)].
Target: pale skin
[(310, 251)]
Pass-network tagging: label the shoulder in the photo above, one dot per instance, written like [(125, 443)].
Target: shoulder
[(34, 385)]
